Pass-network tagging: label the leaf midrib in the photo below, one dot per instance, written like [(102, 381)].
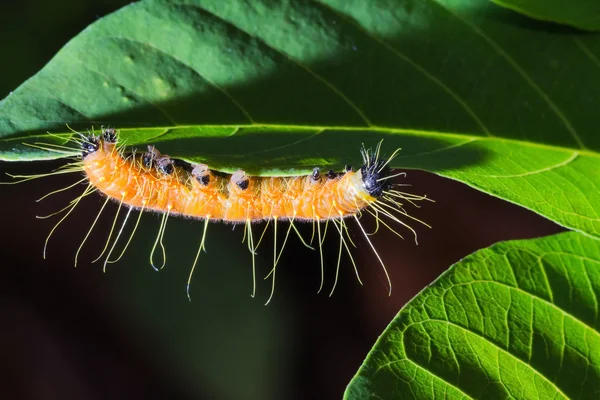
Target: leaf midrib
[(381, 129)]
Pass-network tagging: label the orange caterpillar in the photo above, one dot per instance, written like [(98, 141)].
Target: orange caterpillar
[(152, 181)]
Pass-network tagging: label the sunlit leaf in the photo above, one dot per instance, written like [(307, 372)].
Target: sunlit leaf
[(518, 320)]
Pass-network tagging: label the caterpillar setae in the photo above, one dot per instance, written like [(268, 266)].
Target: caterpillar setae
[(151, 181)]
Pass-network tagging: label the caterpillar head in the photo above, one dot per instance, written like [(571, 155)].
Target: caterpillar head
[(374, 178), (375, 171), (90, 143)]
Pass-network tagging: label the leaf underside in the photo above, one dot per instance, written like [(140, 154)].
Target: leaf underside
[(517, 320), (465, 88)]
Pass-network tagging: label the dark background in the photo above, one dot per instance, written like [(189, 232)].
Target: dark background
[(131, 333)]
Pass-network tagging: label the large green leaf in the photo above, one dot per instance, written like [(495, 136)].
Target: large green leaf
[(583, 14), (278, 87), (517, 320)]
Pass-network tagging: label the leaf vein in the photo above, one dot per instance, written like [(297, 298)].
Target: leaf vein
[(306, 68), (586, 50), (130, 89), (390, 363), (512, 62), (536, 297), (498, 348), (563, 163), (231, 98), (445, 88)]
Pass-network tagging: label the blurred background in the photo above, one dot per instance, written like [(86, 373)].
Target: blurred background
[(131, 332)]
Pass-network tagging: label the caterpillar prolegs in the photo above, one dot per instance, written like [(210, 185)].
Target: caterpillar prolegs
[(151, 181)]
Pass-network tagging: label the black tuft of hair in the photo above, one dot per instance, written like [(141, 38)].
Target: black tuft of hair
[(374, 172), (331, 174), (109, 135), (90, 145), (204, 179), (316, 174), (165, 165), (148, 160), (243, 184)]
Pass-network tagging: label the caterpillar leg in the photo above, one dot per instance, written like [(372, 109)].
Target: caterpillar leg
[(251, 248), (262, 234), (200, 248), (345, 229), (159, 239), (325, 230), (379, 220), (265, 229), (90, 230), (277, 256), (274, 260), (348, 233), (327, 222), (137, 222), (61, 190), (299, 235), (397, 206), (320, 253), (376, 254), (72, 206), (342, 228), (253, 252), (376, 215), (89, 190), (112, 248), (379, 207), (27, 178), (112, 229), (287, 234), (51, 147), (337, 268), (411, 198)]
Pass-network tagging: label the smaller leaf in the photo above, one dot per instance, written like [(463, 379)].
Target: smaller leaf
[(582, 14), (517, 320)]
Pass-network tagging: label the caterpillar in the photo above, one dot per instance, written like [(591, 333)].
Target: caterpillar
[(154, 182)]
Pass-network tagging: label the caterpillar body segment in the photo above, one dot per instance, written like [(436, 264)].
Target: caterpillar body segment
[(152, 181), (233, 198)]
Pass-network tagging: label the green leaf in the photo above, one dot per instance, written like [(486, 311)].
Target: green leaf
[(517, 320), (468, 89), (583, 14)]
